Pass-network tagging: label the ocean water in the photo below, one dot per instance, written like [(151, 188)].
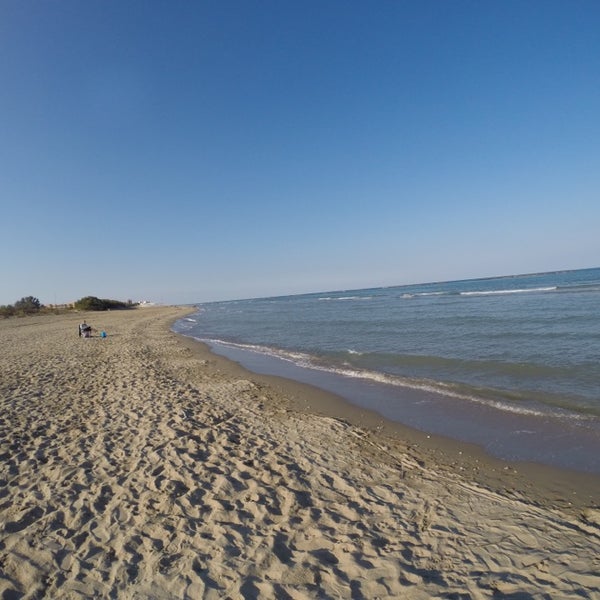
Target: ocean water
[(509, 363)]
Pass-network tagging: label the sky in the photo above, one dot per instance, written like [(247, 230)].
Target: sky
[(190, 151)]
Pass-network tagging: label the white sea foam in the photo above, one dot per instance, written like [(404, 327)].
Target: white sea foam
[(345, 298), (525, 432), (500, 292), (307, 361), (298, 358), (424, 294)]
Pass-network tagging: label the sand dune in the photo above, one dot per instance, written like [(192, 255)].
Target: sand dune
[(136, 467)]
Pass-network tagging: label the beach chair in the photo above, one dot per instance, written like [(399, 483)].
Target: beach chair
[(85, 330)]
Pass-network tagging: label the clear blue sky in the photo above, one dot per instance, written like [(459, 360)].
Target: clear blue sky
[(190, 151)]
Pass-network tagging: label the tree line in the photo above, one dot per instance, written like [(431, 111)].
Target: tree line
[(30, 305)]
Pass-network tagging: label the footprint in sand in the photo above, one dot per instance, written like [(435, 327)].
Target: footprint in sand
[(30, 517)]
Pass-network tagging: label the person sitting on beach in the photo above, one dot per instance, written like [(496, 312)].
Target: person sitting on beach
[(85, 330)]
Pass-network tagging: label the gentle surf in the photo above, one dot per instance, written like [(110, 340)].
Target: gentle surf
[(509, 363)]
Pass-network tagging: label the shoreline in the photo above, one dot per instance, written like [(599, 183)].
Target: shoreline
[(565, 488), (142, 465), (507, 436)]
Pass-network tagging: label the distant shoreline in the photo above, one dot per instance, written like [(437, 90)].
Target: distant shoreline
[(561, 484), (478, 362)]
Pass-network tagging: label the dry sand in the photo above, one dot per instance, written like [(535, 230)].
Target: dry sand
[(140, 466)]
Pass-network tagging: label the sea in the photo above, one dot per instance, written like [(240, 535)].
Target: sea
[(509, 363)]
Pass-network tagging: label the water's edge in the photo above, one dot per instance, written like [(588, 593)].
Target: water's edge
[(511, 437)]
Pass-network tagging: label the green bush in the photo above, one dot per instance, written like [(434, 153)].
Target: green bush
[(25, 306), (28, 305), (93, 303), (7, 310)]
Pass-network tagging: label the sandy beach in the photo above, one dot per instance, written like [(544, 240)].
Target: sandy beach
[(141, 466)]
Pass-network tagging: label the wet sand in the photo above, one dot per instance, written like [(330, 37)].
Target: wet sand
[(143, 466)]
